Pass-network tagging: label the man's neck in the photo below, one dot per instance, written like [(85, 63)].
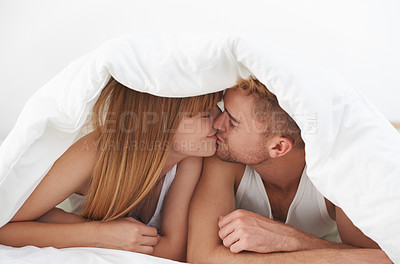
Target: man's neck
[(283, 173)]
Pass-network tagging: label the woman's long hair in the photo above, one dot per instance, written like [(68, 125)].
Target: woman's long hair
[(135, 135)]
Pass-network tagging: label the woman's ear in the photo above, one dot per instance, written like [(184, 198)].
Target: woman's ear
[(279, 146)]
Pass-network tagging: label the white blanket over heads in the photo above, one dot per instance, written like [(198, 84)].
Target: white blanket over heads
[(352, 152)]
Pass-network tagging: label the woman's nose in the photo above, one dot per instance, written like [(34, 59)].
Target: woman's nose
[(215, 112)]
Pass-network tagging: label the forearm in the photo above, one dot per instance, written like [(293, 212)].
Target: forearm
[(169, 248), (309, 242), (19, 234), (174, 228), (221, 254), (59, 216)]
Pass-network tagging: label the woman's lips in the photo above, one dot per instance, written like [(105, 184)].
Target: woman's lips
[(212, 137)]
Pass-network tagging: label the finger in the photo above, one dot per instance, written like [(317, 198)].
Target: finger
[(224, 220), (144, 249), (236, 247), (133, 220), (148, 231), (231, 217), (144, 229), (229, 240), (149, 240), (226, 230)]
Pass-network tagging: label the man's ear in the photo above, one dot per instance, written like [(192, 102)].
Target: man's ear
[(279, 146)]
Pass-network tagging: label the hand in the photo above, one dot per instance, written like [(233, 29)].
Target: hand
[(127, 234), (244, 230)]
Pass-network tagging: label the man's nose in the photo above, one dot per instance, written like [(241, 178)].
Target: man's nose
[(219, 122)]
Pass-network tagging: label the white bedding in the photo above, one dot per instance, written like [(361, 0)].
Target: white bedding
[(34, 255), (352, 151)]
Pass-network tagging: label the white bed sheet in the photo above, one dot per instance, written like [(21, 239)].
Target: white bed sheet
[(35, 255)]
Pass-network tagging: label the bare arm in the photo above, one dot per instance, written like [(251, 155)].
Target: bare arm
[(19, 234), (350, 234), (214, 197), (243, 230), (59, 216), (173, 239), (69, 174)]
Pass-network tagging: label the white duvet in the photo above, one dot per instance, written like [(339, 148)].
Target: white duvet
[(352, 151)]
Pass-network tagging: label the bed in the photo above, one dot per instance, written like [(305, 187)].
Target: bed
[(35, 255), (179, 66)]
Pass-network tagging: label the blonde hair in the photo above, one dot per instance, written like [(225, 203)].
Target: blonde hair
[(266, 108), (132, 150)]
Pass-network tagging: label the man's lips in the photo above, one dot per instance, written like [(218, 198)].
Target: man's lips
[(219, 140)]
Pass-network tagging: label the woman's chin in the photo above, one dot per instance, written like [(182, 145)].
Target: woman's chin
[(204, 149), (210, 152)]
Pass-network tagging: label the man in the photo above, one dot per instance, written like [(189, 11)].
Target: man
[(277, 207)]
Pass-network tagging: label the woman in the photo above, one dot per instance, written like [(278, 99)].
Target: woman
[(140, 145)]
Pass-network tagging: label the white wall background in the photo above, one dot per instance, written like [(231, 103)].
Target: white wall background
[(360, 38)]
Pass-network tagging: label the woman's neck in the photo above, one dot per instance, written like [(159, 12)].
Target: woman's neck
[(173, 158)]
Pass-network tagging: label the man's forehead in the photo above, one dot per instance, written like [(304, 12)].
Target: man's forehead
[(234, 98)]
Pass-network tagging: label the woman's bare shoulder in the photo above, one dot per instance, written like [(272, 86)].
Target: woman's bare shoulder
[(89, 142), (71, 173), (215, 163), (83, 151), (228, 172), (84, 154), (191, 162), (191, 167)]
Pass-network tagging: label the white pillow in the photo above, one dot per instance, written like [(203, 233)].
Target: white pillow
[(352, 151)]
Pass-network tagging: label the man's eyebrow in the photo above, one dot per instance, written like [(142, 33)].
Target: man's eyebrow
[(231, 117)]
